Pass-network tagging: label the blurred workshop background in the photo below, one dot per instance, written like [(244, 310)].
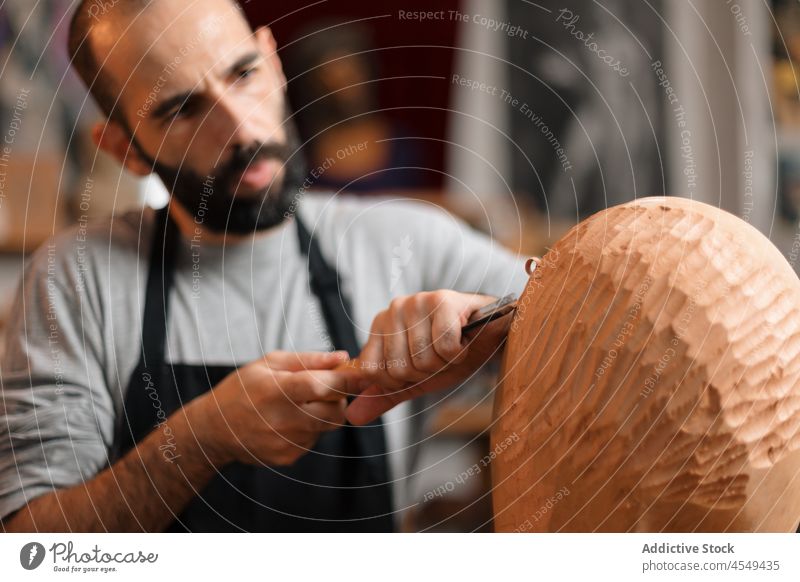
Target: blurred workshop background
[(520, 117)]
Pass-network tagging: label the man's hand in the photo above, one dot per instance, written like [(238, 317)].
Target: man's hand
[(416, 346), (273, 410), (270, 411)]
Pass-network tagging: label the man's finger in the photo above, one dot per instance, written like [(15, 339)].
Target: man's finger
[(372, 362), (420, 344), (324, 416), (373, 402), (299, 361), (376, 400), (396, 355), (323, 385), (446, 324)]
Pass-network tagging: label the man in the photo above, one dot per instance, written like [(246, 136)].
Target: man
[(136, 392)]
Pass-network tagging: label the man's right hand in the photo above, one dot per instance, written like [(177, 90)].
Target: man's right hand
[(272, 411)]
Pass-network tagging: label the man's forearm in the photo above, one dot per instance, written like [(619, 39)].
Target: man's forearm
[(143, 491)]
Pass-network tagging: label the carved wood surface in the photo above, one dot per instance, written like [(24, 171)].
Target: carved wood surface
[(652, 379)]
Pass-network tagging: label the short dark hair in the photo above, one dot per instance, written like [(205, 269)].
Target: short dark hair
[(82, 52), (83, 56)]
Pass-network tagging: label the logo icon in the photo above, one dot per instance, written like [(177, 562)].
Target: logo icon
[(31, 555), (401, 256)]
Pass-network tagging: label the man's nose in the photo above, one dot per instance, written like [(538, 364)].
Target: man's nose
[(233, 123)]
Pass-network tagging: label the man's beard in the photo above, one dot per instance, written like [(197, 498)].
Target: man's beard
[(211, 201)]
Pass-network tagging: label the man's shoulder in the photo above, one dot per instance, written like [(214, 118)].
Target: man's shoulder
[(112, 242), (350, 215)]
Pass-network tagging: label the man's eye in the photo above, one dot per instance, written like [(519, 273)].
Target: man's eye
[(182, 110), (245, 73)]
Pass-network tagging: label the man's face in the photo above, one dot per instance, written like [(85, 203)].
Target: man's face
[(204, 99)]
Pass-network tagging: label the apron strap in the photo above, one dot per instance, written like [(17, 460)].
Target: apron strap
[(154, 321), (363, 449), (366, 445), (326, 285), (159, 284)]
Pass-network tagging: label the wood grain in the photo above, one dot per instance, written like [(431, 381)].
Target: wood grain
[(652, 377)]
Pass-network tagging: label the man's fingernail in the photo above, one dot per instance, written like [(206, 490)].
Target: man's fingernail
[(364, 384)]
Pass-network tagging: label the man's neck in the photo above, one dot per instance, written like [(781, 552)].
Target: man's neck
[(190, 228)]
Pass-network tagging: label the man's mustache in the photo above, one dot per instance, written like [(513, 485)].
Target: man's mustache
[(242, 158)]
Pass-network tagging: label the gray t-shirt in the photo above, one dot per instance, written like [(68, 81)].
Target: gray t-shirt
[(74, 336)]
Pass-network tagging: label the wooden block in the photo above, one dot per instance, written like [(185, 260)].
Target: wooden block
[(652, 379)]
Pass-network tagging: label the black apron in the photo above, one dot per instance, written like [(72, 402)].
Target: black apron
[(341, 485)]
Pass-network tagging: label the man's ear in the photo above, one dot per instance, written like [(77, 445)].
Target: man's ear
[(110, 137), (266, 42)]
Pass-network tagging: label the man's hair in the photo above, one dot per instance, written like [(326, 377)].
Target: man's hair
[(84, 58)]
